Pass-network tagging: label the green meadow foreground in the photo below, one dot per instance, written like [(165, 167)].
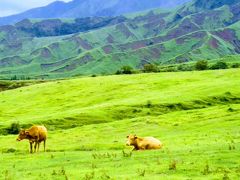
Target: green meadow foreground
[(195, 114)]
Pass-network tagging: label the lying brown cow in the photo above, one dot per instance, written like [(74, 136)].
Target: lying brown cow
[(143, 143), (35, 134)]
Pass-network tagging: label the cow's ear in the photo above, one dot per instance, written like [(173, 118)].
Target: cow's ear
[(27, 132), (135, 136)]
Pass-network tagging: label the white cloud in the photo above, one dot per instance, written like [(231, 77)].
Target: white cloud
[(9, 7)]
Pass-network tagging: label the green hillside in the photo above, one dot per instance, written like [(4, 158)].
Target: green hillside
[(195, 114), (35, 49)]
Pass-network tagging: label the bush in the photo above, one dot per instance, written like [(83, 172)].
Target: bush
[(201, 65), (125, 70), (220, 65), (10, 150), (184, 67), (14, 77), (147, 68), (168, 69), (235, 65), (14, 128)]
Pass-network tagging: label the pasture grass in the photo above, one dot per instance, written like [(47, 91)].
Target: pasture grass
[(195, 114)]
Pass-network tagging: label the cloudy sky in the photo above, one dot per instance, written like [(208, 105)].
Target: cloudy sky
[(9, 7)]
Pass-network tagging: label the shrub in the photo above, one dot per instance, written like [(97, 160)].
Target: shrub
[(125, 70), (10, 150), (206, 170), (149, 104), (173, 165), (168, 69), (118, 72), (14, 77), (147, 68), (184, 67), (141, 172), (126, 154), (219, 65), (201, 65), (14, 128), (235, 65)]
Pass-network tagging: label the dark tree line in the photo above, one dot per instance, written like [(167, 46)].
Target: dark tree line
[(56, 27)]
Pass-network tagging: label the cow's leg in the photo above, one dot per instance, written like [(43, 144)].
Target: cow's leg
[(35, 146), (44, 144), (38, 146), (30, 146)]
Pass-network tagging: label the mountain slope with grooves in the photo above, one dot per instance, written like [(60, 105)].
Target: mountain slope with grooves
[(162, 37)]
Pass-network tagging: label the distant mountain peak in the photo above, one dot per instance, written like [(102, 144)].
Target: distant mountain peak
[(86, 8)]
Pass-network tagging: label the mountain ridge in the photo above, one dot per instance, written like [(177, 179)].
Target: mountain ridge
[(161, 37), (89, 8)]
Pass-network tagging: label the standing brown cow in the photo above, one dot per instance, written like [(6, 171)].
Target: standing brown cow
[(35, 134)]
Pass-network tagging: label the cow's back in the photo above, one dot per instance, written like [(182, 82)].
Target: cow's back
[(42, 132), (152, 142), (38, 131)]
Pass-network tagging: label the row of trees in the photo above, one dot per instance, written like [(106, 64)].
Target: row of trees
[(203, 65), (20, 77), (199, 66)]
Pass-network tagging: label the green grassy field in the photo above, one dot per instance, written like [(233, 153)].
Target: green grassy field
[(195, 114)]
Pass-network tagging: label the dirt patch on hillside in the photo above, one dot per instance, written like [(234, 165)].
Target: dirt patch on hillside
[(226, 34), (45, 53), (108, 49), (182, 59), (75, 64), (157, 23), (81, 42), (184, 28), (230, 36), (150, 17), (117, 57), (110, 39), (55, 64), (42, 52), (132, 46), (156, 51), (17, 45), (197, 35), (180, 41), (124, 30), (200, 18), (12, 61), (54, 46), (197, 45), (213, 43)]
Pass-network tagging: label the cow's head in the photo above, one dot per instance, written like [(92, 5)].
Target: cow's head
[(131, 140), (23, 134)]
